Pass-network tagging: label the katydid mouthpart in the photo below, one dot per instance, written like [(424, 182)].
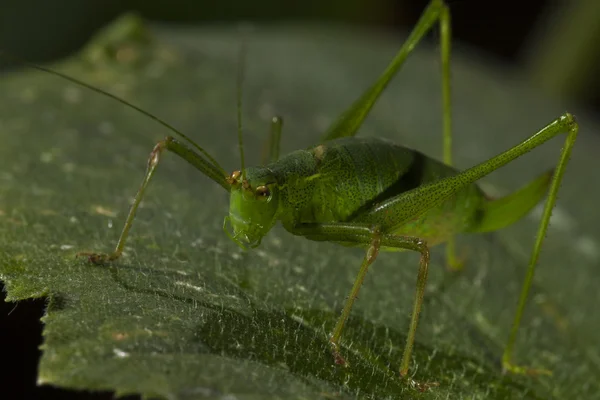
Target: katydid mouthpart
[(405, 200)]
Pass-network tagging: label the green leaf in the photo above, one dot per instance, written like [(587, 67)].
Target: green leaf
[(186, 314)]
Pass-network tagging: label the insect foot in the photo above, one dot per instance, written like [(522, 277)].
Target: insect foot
[(421, 386), (98, 258), (335, 350)]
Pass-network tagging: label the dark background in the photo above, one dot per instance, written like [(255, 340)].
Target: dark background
[(500, 27), (555, 42), (552, 41)]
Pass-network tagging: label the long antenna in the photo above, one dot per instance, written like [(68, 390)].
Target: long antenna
[(120, 100), (240, 83)]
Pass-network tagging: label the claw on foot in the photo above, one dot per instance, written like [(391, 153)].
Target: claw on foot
[(420, 386), (338, 359), (97, 258)]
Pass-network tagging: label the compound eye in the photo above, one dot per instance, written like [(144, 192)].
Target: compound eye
[(263, 192)]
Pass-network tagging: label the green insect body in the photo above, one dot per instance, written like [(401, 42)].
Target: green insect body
[(371, 193), (341, 180)]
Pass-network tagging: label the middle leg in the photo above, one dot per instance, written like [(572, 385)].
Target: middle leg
[(374, 239)]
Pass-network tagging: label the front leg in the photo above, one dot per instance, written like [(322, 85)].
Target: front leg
[(374, 238), (209, 168)]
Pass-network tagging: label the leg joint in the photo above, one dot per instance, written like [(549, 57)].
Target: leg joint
[(154, 157)]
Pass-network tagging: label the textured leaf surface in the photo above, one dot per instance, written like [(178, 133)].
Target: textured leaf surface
[(186, 314)]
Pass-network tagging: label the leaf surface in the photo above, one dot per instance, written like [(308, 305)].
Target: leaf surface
[(185, 314)]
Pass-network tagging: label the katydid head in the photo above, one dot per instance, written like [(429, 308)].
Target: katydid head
[(253, 206), (254, 193)]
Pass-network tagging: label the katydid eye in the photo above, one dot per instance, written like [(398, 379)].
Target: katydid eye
[(263, 192)]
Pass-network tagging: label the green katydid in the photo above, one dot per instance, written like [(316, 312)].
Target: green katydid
[(404, 199)]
